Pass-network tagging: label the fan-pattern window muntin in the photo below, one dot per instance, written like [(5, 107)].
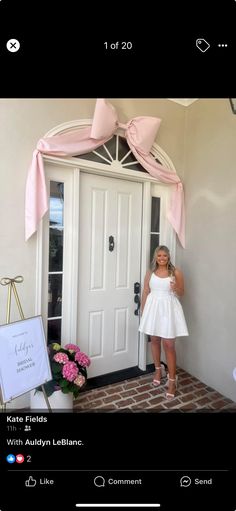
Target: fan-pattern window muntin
[(115, 151)]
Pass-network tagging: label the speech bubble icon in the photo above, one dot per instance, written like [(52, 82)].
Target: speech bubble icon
[(185, 481), (99, 481)]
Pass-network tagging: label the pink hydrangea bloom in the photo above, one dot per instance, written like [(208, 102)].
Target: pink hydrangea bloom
[(79, 380), (71, 347), (82, 359), (62, 358), (70, 371)]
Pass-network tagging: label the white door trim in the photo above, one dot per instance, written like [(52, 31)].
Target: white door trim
[(70, 245), (146, 222), (73, 248)]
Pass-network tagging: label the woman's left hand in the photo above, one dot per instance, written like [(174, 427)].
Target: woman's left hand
[(173, 287), (178, 285)]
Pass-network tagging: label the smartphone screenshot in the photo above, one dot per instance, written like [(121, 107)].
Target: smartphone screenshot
[(117, 275)]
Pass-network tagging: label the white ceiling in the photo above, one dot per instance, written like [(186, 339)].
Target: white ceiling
[(183, 101)]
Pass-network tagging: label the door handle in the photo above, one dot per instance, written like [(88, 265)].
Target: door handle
[(137, 300), (111, 243), (136, 297)]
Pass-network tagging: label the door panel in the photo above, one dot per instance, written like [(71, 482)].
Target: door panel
[(107, 326)]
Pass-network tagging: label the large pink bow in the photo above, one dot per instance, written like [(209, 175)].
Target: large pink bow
[(141, 131), (140, 134)]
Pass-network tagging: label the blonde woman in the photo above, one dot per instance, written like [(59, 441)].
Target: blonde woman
[(162, 314)]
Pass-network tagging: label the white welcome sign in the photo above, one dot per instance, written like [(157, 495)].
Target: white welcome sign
[(24, 361)]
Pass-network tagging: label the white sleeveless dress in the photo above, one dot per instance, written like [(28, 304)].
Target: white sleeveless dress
[(163, 314)]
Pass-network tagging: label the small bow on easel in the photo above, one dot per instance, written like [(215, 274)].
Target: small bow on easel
[(7, 281)]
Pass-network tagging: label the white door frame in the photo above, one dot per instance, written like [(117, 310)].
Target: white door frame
[(72, 242)]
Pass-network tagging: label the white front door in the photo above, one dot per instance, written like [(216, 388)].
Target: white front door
[(107, 326)]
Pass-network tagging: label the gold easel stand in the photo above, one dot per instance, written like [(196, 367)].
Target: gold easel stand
[(11, 283)]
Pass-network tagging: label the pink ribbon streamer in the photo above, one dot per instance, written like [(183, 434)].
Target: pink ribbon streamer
[(140, 134)]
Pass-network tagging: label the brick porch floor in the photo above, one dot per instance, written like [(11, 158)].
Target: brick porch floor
[(138, 394)]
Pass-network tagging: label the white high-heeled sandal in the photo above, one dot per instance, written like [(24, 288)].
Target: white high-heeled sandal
[(169, 395), (155, 382)]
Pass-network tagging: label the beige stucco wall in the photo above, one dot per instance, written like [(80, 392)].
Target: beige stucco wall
[(209, 259), (200, 140)]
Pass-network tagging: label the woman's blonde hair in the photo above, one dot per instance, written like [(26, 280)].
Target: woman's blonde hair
[(154, 263)]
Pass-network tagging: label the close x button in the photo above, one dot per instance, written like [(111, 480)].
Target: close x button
[(13, 45)]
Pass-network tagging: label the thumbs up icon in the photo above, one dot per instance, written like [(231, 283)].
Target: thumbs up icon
[(30, 481)]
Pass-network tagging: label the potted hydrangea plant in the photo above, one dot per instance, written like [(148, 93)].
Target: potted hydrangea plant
[(69, 372)]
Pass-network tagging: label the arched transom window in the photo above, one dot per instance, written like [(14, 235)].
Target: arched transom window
[(115, 152)]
